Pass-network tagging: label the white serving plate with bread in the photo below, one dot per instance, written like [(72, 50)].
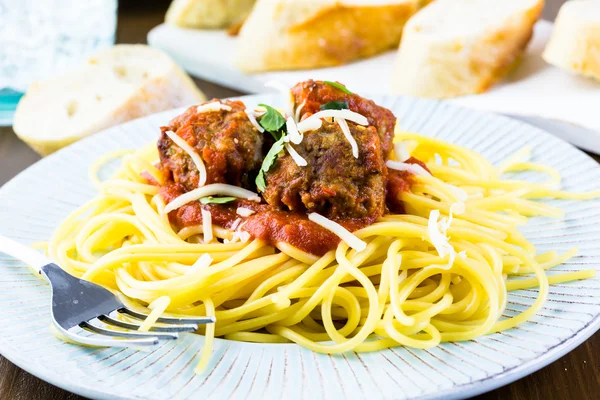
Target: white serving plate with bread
[(533, 88)]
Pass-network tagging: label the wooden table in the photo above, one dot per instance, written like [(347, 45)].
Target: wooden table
[(576, 375)]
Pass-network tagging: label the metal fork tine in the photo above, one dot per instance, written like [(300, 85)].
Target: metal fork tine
[(81, 309), (112, 319), (170, 320), (104, 341), (97, 326)]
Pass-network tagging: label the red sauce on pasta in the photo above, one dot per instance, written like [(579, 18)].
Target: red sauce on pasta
[(274, 225)]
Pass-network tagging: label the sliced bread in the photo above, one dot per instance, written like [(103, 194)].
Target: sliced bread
[(114, 86), (575, 41), (459, 47), (303, 34), (208, 14)]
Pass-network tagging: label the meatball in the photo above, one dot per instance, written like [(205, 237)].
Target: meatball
[(227, 142), (334, 183), (316, 93)]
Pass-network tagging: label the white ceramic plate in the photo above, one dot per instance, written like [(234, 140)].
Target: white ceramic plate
[(535, 89), (32, 205)]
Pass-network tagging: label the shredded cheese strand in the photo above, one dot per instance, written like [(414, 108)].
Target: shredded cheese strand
[(401, 152), (412, 168), (212, 107), (292, 130), (309, 124), (301, 162), (299, 110), (253, 121), (348, 135), (178, 140), (207, 226), (244, 212), (214, 189), (235, 224), (343, 114), (438, 232), (341, 232)]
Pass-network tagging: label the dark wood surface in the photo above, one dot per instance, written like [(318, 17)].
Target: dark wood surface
[(574, 376)]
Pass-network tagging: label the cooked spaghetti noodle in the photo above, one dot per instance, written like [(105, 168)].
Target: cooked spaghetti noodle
[(439, 272)]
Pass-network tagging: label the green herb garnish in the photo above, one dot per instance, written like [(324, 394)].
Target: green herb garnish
[(272, 121), (338, 86), (216, 200), (268, 162), (335, 105)]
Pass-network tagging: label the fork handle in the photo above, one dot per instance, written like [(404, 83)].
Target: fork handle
[(21, 252)]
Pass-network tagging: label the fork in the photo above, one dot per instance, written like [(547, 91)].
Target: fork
[(88, 314)]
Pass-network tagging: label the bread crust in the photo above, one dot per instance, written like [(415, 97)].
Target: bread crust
[(282, 35), (445, 69), (575, 41), (170, 89), (208, 14)]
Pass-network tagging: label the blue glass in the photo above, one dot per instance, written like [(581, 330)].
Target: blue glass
[(40, 39), (8, 103)]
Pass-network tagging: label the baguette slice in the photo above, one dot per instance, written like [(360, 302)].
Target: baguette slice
[(114, 86), (303, 34), (459, 47), (575, 41), (208, 14)]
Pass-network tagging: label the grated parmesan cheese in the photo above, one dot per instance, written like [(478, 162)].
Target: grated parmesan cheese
[(235, 224), (309, 125), (242, 236), (211, 107), (299, 110), (301, 162), (193, 155), (348, 135), (253, 121), (401, 152), (437, 238), (415, 169), (207, 226), (259, 111), (438, 232), (244, 212), (293, 134), (341, 232), (215, 189), (343, 114)]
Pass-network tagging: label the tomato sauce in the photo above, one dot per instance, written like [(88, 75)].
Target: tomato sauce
[(274, 225), (397, 183)]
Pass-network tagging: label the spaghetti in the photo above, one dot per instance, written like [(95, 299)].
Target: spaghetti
[(438, 272)]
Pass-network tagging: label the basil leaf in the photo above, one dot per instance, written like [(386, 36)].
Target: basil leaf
[(338, 86), (277, 134), (268, 162), (216, 200), (272, 121), (335, 105), (261, 184)]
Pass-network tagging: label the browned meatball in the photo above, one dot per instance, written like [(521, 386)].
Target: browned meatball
[(334, 183), (316, 93), (227, 142)]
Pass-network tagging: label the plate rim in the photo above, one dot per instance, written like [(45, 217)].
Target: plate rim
[(457, 391)]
